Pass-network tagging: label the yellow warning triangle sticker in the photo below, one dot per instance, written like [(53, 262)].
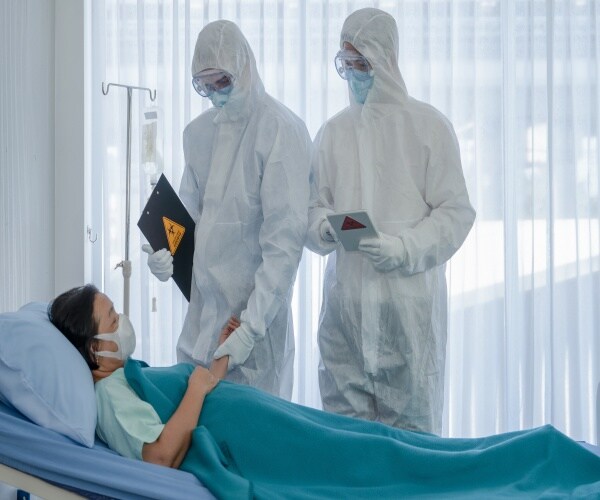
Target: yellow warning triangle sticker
[(174, 233)]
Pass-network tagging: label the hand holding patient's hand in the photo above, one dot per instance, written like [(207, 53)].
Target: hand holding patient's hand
[(202, 380), (238, 346), (228, 329)]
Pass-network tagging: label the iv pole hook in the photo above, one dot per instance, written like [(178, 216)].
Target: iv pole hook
[(151, 93)]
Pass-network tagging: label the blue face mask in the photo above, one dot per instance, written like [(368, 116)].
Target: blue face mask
[(220, 97), (360, 84)]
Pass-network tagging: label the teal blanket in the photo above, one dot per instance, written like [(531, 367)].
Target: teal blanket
[(249, 444)]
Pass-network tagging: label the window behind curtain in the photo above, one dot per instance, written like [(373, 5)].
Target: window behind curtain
[(519, 82)]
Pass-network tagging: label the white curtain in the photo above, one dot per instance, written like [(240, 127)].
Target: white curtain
[(519, 81), (26, 152)]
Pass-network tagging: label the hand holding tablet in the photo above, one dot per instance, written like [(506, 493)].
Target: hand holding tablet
[(351, 227)]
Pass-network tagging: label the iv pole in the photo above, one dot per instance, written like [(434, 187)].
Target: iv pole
[(125, 264)]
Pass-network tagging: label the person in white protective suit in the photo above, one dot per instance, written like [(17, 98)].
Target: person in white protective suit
[(382, 330), (246, 185)]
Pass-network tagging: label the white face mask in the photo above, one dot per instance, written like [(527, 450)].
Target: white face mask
[(124, 337)]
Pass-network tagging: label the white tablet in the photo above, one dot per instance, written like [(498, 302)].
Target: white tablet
[(351, 227)]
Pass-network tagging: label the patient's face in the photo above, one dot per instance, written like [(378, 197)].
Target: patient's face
[(105, 315), (108, 322)]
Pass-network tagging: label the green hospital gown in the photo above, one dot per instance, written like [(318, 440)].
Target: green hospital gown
[(249, 444), (125, 422)]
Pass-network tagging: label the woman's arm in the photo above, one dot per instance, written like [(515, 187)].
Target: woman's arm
[(173, 443), (219, 366)]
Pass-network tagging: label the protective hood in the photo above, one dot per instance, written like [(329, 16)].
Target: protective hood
[(221, 45), (375, 35)]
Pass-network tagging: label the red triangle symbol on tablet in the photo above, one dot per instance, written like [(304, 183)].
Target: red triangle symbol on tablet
[(350, 223)]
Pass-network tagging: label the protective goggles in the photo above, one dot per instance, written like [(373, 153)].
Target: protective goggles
[(209, 81), (350, 64)]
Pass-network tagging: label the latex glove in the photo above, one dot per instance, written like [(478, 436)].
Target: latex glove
[(386, 252), (327, 232), (160, 263), (238, 346)]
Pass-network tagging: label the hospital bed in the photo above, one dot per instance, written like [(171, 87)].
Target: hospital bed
[(48, 445), (51, 466), (54, 460)]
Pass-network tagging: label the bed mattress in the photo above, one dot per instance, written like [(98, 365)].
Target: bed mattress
[(96, 472)]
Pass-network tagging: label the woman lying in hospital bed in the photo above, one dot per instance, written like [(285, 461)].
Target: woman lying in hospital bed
[(242, 442)]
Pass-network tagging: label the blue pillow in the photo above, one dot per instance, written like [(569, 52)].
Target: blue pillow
[(43, 376)]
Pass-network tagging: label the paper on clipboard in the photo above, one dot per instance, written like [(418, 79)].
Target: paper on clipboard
[(166, 223), (351, 227)]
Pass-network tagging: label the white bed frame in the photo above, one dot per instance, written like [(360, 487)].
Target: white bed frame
[(34, 485)]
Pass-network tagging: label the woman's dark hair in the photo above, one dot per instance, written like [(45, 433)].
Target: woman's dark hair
[(72, 312)]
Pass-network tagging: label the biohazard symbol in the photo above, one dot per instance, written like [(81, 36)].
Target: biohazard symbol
[(350, 223), (174, 233)]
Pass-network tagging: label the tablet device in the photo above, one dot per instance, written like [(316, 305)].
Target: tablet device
[(166, 223), (351, 227)]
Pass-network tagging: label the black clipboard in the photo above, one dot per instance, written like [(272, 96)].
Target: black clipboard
[(166, 223)]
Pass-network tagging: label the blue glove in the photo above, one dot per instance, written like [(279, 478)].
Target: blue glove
[(386, 252)]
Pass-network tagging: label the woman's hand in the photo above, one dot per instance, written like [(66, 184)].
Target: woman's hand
[(202, 381), (174, 441), (228, 329), (219, 366)]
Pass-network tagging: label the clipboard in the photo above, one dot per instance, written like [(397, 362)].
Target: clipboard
[(351, 227), (166, 223)]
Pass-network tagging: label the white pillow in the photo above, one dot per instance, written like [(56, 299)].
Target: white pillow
[(43, 376)]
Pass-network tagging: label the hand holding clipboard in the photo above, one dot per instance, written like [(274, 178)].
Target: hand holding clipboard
[(166, 223)]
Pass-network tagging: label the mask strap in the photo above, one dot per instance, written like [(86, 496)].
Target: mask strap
[(113, 337), (108, 354), (106, 336)]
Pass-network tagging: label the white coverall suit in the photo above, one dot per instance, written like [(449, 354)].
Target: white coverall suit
[(246, 185), (382, 335)]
